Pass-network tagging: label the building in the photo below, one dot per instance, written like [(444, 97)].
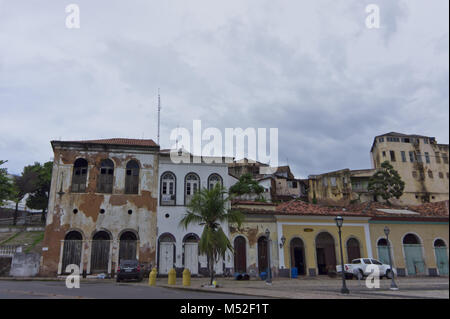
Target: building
[(178, 182), (421, 162), (340, 187), (102, 205), (305, 236), (279, 183)]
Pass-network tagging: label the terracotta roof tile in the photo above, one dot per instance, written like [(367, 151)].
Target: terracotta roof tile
[(118, 141)]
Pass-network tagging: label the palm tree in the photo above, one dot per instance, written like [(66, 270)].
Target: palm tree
[(208, 207)]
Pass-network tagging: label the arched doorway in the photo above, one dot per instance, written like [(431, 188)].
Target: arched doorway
[(383, 251), (413, 255), (166, 257), (191, 253), (128, 246), (262, 254), (297, 249), (100, 252), (440, 251), (73, 243), (240, 255), (326, 255), (353, 249)]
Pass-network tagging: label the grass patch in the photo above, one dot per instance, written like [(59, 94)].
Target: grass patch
[(37, 239), (10, 238)]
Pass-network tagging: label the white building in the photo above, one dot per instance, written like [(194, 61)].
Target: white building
[(177, 247)]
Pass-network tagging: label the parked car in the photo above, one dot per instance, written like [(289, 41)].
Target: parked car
[(358, 268), (129, 269)]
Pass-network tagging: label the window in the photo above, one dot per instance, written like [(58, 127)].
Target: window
[(214, 179), (367, 261), (325, 182), (427, 157), (392, 156), (132, 178), (406, 140), (438, 158), (422, 175), (418, 157), (441, 175), (414, 174), (381, 139), (376, 262), (411, 157), (430, 174), (403, 156), (384, 153), (356, 261), (192, 185), (333, 181), (79, 176), (168, 189), (425, 140), (445, 158), (106, 176)]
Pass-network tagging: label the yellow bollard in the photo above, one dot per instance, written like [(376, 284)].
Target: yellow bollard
[(186, 277), (172, 277), (152, 277)]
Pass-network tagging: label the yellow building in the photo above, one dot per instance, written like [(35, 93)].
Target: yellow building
[(305, 237), (421, 162)]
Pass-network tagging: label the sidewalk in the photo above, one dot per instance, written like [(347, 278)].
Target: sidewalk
[(319, 288)]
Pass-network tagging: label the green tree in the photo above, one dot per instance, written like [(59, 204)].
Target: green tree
[(386, 182), (5, 184), (38, 198), (23, 184), (246, 186), (208, 208)]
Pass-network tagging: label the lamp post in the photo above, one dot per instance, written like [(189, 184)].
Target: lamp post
[(339, 221), (269, 271), (393, 284)]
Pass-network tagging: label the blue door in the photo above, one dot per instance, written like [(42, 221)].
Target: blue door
[(415, 264)]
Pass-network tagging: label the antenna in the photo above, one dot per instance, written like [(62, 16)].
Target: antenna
[(159, 113)]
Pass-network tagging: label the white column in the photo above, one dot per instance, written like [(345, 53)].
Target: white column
[(61, 249), (280, 250)]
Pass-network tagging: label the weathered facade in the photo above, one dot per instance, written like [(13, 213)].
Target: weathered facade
[(421, 162), (102, 205), (340, 187)]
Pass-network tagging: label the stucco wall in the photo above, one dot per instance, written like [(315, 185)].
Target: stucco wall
[(88, 220)]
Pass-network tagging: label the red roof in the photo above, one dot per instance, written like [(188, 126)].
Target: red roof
[(118, 141), (437, 210)]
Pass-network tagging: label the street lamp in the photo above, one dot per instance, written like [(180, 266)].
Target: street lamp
[(393, 284), (269, 271), (339, 221)]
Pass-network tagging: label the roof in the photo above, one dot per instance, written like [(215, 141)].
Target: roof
[(116, 141), (374, 210)]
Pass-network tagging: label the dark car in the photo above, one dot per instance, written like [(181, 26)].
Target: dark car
[(129, 269)]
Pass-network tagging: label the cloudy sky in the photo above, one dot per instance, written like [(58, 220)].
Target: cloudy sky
[(312, 69)]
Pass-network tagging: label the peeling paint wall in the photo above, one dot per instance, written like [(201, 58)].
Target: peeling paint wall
[(115, 219)]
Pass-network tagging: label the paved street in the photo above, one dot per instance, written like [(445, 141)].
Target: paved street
[(315, 288), (102, 290)]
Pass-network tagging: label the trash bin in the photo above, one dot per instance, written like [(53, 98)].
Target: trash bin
[(263, 275), (245, 277), (294, 272)]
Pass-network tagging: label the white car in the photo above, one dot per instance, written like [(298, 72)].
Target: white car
[(359, 268)]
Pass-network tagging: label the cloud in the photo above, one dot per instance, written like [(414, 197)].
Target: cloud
[(313, 70)]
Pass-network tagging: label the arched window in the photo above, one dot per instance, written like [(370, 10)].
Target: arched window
[(132, 178), (192, 185), (214, 179), (411, 239), (106, 176), (168, 189), (79, 176)]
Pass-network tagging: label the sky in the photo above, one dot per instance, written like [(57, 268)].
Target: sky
[(312, 69)]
